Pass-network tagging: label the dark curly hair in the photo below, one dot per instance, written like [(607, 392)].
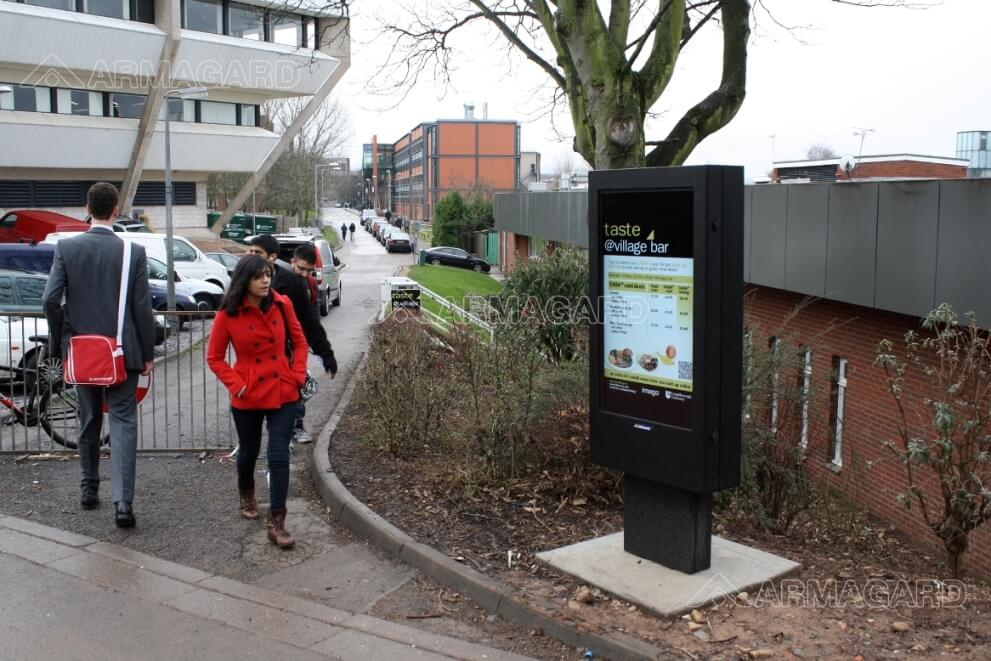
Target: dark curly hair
[(247, 269)]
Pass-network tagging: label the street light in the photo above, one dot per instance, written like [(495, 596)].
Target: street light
[(184, 93)]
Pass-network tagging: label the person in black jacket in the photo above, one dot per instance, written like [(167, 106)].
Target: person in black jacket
[(294, 284)]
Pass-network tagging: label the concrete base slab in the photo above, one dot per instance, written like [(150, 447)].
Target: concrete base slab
[(602, 562)]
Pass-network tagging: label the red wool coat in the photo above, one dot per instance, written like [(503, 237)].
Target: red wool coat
[(259, 341)]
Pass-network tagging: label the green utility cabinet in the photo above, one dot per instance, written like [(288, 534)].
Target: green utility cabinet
[(244, 225)]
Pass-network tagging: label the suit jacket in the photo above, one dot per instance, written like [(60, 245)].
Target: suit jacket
[(81, 295)]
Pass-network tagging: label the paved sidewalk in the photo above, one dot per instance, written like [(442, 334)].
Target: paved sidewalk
[(69, 596)]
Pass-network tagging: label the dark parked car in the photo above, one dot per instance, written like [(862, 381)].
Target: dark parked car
[(456, 257)]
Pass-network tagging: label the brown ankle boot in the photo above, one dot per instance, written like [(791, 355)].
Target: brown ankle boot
[(277, 530), (249, 508)]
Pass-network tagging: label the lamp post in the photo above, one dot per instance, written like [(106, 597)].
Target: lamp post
[(184, 93)]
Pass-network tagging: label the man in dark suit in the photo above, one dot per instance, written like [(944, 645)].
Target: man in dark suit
[(81, 299)]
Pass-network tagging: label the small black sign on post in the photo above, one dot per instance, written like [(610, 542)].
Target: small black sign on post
[(666, 252)]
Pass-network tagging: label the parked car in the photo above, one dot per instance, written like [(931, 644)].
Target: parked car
[(456, 257), (188, 260), (225, 259), (398, 242), (33, 225), (207, 294), (327, 277), (385, 232), (131, 226), (368, 214), (36, 258)]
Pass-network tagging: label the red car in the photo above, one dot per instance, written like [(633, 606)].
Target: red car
[(33, 225)]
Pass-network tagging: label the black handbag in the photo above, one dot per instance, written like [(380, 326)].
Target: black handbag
[(310, 386)]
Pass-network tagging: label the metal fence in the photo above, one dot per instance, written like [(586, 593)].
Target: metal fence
[(186, 409)]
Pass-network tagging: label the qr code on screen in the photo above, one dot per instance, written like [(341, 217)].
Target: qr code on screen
[(685, 370)]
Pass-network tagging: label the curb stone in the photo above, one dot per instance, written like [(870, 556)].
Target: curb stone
[(492, 595)]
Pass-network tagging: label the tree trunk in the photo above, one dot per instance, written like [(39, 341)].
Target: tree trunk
[(616, 115)]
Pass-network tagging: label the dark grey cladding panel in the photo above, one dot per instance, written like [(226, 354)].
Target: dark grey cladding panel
[(852, 241), (768, 233), (575, 210), (509, 212), (558, 216), (805, 256), (748, 200), (963, 270), (907, 232)]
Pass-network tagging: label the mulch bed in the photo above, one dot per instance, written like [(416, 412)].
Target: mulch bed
[(498, 531)]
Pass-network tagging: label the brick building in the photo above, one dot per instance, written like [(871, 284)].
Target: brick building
[(437, 157), (880, 167), (864, 260)]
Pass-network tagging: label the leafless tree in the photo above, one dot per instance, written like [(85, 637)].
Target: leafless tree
[(819, 152)]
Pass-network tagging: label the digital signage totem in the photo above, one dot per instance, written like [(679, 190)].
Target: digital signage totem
[(666, 273)]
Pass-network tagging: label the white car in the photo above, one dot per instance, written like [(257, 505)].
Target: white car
[(14, 342), (200, 290), (189, 261)]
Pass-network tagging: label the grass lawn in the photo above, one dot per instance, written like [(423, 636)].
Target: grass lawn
[(454, 284)]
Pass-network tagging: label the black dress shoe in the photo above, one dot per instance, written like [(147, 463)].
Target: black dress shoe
[(125, 515), (89, 500)]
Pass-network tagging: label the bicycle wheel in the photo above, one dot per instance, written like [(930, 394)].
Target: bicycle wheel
[(58, 412)]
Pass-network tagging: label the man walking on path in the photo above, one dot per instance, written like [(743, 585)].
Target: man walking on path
[(344, 232), (294, 285), (352, 232), (78, 301)]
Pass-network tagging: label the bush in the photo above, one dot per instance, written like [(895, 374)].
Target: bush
[(547, 300), (458, 216), (406, 386)]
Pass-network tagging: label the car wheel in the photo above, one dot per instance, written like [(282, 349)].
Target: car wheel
[(340, 292), (435, 262), (477, 268), (324, 308), (207, 300)]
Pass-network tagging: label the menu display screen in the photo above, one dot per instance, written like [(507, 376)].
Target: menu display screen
[(648, 291)]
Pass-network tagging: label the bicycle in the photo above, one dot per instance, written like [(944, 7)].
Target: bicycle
[(50, 401)]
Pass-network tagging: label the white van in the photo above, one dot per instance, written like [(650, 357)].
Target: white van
[(188, 260)]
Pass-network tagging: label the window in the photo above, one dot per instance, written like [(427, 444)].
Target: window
[(6, 291), (108, 8), (79, 102), (246, 22), (287, 29), (144, 11), (8, 221), (839, 395), (204, 16), (806, 389), (180, 110), (69, 5), (129, 106), (249, 115), (213, 112), (311, 33), (157, 270), (26, 97), (30, 290), (182, 251)]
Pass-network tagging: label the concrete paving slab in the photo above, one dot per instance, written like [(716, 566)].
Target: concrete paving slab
[(47, 615), (348, 577), (249, 616), (429, 641), (277, 600), (149, 562), (357, 646), (33, 548), (46, 532), (602, 562), (121, 576)]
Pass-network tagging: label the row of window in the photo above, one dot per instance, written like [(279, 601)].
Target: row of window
[(119, 104), (55, 194), (215, 16)]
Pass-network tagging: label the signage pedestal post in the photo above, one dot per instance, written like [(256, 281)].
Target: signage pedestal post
[(669, 526)]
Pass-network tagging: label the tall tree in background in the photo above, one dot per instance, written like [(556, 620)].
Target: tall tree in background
[(819, 152), (289, 184)]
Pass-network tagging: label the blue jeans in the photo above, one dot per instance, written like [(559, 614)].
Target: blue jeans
[(249, 434)]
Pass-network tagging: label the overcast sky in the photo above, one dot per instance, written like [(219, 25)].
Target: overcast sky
[(914, 76)]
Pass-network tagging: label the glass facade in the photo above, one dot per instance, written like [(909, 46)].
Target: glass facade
[(26, 97), (975, 146), (247, 22), (133, 10)]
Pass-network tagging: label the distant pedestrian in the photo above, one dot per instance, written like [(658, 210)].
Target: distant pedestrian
[(81, 298), (264, 381), (352, 231), (344, 231)]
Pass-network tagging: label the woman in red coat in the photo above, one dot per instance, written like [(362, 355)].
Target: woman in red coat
[(264, 382)]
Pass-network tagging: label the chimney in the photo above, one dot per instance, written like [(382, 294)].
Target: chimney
[(469, 110), (485, 110)]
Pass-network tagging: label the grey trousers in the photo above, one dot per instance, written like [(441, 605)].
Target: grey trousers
[(123, 436)]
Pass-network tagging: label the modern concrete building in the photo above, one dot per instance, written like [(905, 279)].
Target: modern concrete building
[(831, 270), (975, 147), (412, 174), (82, 86)]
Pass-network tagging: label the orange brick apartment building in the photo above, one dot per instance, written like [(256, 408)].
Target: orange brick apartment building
[(437, 157)]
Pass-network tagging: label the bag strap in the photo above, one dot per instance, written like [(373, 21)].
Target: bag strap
[(125, 269), (285, 324)]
